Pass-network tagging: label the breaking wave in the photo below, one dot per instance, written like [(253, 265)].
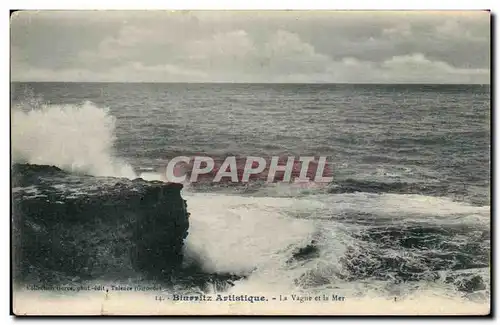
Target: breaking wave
[(76, 138)]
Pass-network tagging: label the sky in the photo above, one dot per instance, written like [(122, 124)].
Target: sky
[(251, 46)]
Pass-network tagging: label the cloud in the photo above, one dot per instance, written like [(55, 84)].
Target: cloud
[(134, 71), (252, 47), (233, 44), (410, 68)]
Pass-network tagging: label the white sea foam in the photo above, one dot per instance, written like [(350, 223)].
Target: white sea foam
[(238, 234), (257, 236), (72, 137)]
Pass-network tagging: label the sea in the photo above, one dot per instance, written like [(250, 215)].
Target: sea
[(407, 215)]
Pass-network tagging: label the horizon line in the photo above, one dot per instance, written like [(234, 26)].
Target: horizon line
[(252, 83)]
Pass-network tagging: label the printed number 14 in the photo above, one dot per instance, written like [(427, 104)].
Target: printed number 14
[(160, 298)]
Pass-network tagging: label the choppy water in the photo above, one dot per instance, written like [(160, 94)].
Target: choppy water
[(408, 210)]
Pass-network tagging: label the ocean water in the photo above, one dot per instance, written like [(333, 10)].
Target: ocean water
[(407, 213)]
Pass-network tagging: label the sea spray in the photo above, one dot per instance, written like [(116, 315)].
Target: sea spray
[(76, 138)]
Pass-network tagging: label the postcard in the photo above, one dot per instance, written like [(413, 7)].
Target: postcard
[(250, 162)]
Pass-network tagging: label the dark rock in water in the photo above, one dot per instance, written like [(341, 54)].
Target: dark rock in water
[(307, 252), (473, 284), (467, 282), (67, 225)]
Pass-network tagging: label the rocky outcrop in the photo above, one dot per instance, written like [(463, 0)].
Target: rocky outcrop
[(68, 226)]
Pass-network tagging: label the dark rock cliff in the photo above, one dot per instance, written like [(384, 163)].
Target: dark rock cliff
[(68, 226)]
